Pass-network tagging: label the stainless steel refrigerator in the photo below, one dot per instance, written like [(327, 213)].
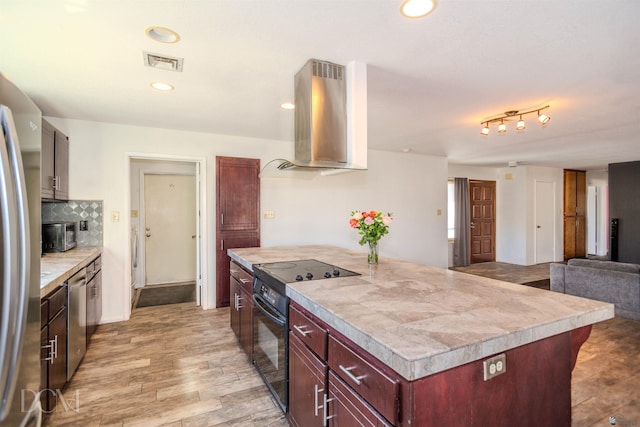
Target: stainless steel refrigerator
[(20, 249)]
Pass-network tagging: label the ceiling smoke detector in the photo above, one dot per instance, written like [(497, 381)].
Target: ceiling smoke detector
[(162, 62)]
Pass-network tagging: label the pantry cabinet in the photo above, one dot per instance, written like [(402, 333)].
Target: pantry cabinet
[(54, 178)]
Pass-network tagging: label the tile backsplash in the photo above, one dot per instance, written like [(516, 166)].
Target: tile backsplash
[(78, 210)]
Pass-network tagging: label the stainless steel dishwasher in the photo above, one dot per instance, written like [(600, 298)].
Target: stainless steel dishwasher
[(77, 321)]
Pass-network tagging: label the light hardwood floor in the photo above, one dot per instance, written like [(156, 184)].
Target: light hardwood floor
[(169, 365), (177, 365)]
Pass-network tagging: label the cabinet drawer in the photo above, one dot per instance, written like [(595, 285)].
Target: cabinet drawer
[(309, 332), (346, 408), (57, 300), (242, 276), (379, 389)]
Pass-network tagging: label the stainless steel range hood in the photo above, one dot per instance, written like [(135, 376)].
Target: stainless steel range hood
[(330, 117)]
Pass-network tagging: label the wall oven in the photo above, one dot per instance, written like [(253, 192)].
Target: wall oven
[(270, 340), (270, 317)]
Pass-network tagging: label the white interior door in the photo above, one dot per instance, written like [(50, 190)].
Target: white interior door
[(170, 228), (545, 221), (592, 220)]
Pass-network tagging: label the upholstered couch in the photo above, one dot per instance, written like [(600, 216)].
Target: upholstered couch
[(614, 282)]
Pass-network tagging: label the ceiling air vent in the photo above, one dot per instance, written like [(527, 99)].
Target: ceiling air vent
[(162, 62)]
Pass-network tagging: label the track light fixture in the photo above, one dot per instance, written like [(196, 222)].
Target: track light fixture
[(509, 115)]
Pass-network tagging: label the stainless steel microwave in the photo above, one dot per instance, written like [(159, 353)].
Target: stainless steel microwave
[(59, 236)]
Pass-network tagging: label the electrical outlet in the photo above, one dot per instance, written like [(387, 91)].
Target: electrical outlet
[(495, 366)]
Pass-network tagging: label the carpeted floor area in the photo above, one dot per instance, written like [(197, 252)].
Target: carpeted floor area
[(153, 295), (530, 275)]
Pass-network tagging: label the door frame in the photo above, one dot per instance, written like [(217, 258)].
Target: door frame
[(142, 243), (203, 284)]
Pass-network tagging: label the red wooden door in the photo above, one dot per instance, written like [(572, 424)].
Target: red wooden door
[(483, 221), (237, 214)]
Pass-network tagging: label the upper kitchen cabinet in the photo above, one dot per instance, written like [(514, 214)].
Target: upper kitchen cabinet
[(238, 194), (54, 181)]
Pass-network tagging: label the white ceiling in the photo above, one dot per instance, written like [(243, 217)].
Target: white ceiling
[(431, 81)]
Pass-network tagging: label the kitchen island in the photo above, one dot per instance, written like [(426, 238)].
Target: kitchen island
[(434, 328)]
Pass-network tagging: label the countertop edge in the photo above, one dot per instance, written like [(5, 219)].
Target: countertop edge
[(85, 254), (447, 359)]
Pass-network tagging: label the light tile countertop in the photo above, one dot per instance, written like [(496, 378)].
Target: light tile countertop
[(56, 267), (421, 320)]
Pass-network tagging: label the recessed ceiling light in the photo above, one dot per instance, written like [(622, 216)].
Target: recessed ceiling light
[(287, 106), (162, 34), (417, 8), (162, 86)]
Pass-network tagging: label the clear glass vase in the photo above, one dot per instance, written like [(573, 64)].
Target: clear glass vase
[(372, 256)]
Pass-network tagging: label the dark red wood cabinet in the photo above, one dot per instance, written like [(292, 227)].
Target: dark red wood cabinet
[(535, 389), (320, 367), (237, 215), (241, 310), (307, 385)]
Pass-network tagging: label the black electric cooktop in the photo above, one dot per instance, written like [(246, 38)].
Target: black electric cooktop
[(276, 274)]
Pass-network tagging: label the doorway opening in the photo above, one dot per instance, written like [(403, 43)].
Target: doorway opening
[(167, 230)]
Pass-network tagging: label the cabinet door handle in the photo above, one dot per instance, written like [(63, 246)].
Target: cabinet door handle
[(54, 182), (347, 372), (235, 301), (317, 390), (239, 299), (54, 349), (301, 331), (325, 410)]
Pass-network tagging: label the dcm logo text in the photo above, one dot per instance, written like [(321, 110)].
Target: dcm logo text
[(70, 403)]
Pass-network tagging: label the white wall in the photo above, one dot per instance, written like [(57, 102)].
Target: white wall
[(515, 210), (413, 187)]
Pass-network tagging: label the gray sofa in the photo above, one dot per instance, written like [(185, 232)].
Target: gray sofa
[(614, 282)]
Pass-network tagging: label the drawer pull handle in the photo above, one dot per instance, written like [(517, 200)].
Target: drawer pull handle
[(325, 411), (245, 280), (317, 390), (347, 372), (301, 331)]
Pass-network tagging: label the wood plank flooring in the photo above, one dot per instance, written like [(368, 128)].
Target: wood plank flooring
[(178, 366), (170, 365)]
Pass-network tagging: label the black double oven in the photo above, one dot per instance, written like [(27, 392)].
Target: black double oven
[(270, 317)]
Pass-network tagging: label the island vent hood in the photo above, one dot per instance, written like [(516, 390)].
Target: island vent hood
[(330, 118)]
